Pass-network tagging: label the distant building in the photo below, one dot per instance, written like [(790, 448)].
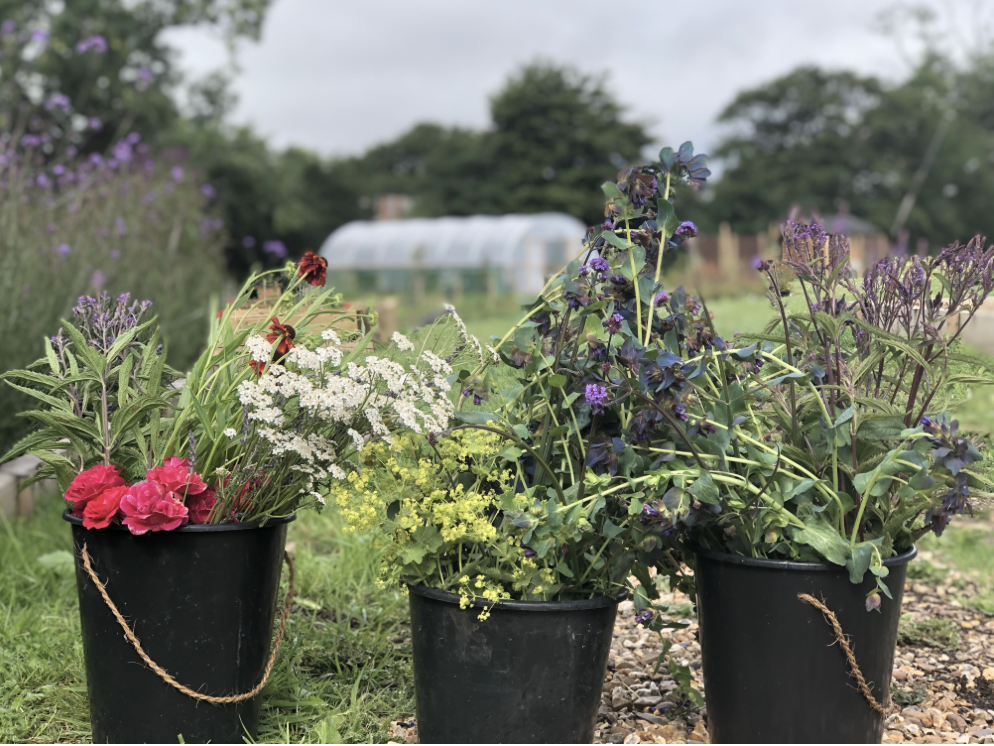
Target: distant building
[(481, 253)]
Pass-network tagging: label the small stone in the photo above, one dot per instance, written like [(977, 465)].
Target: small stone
[(648, 701), (956, 721), (632, 738), (900, 675), (616, 738)]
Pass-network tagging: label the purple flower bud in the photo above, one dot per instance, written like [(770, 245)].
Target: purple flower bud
[(599, 264), (661, 298), (681, 412), (584, 270), (644, 616), (613, 323), (873, 602), (686, 229)]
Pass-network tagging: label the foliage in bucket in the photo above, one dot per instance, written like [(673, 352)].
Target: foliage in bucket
[(543, 498), (269, 415)]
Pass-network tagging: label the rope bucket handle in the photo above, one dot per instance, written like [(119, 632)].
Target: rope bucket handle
[(161, 672), (843, 641)]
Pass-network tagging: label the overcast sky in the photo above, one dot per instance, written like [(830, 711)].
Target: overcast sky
[(337, 77)]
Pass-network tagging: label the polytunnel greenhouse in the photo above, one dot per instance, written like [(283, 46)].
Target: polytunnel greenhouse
[(493, 254)]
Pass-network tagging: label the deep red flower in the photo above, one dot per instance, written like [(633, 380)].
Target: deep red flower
[(91, 483), (257, 367), (313, 268), (285, 334), (101, 510), (200, 505), (148, 506)]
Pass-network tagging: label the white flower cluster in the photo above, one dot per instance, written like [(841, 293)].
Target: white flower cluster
[(467, 338), (308, 405), (402, 342)]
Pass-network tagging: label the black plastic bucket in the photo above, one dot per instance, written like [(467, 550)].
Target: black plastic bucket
[(201, 600), (773, 672), (531, 673)]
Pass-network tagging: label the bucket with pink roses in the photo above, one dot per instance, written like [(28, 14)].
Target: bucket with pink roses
[(180, 496)]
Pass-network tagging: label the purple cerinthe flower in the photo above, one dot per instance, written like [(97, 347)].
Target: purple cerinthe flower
[(661, 297), (599, 264), (644, 616), (596, 396), (613, 323)]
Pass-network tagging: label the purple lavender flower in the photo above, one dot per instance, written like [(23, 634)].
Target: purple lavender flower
[(115, 254), (41, 180), (149, 197), (8, 27), (177, 173), (30, 141), (208, 191), (599, 264), (63, 249), (97, 280), (95, 124), (40, 36), (686, 229), (145, 74), (644, 616), (96, 42), (122, 151), (122, 226), (596, 396)]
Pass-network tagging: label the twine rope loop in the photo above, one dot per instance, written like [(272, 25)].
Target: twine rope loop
[(843, 641), (161, 672)]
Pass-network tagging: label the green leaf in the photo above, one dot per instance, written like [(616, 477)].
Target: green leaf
[(474, 418), (821, 536), (60, 562), (859, 562), (705, 490), (558, 380), (612, 190)]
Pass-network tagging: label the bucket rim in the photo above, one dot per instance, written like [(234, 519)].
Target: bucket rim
[(200, 528), (583, 604), (773, 564)]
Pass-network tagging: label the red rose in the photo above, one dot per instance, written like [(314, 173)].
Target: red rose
[(89, 484), (313, 268), (148, 506), (200, 505), (102, 509)]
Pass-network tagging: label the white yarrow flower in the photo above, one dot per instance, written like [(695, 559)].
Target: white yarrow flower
[(402, 342), (230, 432)]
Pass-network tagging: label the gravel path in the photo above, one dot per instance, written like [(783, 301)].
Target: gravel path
[(943, 685)]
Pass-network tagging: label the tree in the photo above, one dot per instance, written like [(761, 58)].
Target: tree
[(556, 136)]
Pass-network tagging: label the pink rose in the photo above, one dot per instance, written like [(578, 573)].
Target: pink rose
[(200, 505), (102, 509), (89, 484), (176, 461), (149, 506), (177, 477)]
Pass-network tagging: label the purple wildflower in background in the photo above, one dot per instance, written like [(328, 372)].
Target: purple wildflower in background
[(177, 173), (122, 151), (30, 141), (208, 191), (115, 254), (122, 226), (96, 159), (58, 169), (58, 101), (40, 36), (102, 320), (248, 242), (95, 124), (145, 74), (41, 180), (97, 280), (96, 42), (686, 229), (599, 264), (276, 248), (661, 297), (8, 27), (149, 197), (63, 249), (596, 396)]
